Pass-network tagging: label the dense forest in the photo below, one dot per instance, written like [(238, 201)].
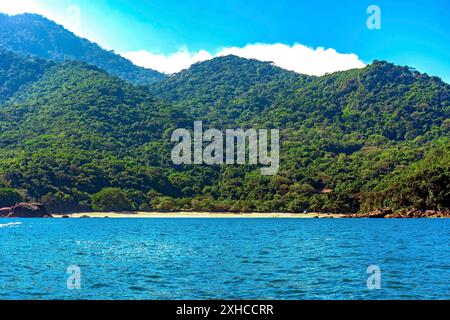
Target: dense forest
[(76, 137)]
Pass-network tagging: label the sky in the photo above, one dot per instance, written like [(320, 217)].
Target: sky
[(312, 37)]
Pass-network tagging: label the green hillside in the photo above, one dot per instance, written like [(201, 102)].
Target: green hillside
[(350, 141), (76, 130), (345, 131)]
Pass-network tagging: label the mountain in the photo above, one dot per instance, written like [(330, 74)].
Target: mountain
[(346, 131), (350, 141), (217, 87), (31, 34), (73, 129), (393, 101)]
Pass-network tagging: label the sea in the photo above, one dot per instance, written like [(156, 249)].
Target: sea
[(208, 258)]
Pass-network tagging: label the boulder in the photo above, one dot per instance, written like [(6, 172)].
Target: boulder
[(4, 212), (28, 210), (380, 213), (429, 213)]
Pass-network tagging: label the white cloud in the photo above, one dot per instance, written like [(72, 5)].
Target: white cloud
[(298, 58), (172, 63)]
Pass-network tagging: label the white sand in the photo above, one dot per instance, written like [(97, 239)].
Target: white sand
[(197, 215)]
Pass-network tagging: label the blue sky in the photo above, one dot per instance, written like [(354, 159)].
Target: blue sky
[(415, 33)]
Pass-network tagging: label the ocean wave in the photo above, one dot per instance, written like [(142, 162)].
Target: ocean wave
[(11, 224)]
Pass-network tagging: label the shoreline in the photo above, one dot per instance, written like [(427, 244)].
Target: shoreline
[(156, 215)]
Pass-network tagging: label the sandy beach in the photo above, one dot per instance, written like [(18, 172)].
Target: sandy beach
[(197, 215)]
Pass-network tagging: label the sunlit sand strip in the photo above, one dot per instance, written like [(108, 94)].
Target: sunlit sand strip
[(197, 215)]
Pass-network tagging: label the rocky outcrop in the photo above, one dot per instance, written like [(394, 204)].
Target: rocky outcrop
[(25, 210), (404, 213), (4, 212)]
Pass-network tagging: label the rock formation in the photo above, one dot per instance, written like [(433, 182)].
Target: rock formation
[(25, 210), (404, 213)]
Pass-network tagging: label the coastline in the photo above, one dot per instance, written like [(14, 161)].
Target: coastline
[(150, 215), (380, 213)]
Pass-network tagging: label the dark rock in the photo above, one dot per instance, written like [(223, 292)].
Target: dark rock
[(380, 213), (4, 212), (403, 213), (28, 210)]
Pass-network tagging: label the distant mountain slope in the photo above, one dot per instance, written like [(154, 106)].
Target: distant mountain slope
[(15, 73), (392, 101), (35, 35), (75, 129), (216, 87), (344, 131), (76, 100), (226, 76)]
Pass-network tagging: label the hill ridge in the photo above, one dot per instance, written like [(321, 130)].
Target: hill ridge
[(36, 35)]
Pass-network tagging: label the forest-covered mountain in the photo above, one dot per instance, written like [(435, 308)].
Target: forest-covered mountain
[(75, 137), (361, 133), (33, 34)]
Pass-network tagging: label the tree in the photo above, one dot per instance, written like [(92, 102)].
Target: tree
[(111, 199), (164, 203)]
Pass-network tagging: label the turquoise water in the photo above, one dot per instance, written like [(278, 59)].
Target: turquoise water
[(224, 258)]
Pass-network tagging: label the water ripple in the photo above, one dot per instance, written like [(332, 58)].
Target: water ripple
[(225, 259)]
